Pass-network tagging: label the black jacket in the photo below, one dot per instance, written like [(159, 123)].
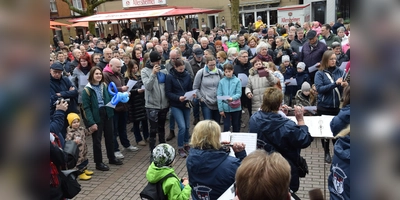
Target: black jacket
[(137, 111), (102, 64)]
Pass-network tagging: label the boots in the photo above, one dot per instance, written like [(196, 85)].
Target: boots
[(161, 138), (171, 135), (88, 172), (84, 177)]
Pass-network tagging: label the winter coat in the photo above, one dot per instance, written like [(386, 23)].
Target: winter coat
[(257, 86), (176, 85), (206, 83), (172, 186), (233, 45), (83, 149), (284, 134), (341, 121), (195, 66), (91, 114), (102, 64), (278, 60), (302, 100), (98, 50), (110, 76), (72, 66), (341, 58), (229, 87), (211, 172), (339, 179), (327, 96), (296, 43), (241, 68), (75, 80), (188, 68), (330, 39), (154, 90), (62, 86), (302, 77), (137, 111), (311, 57)]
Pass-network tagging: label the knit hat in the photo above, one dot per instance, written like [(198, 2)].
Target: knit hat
[(305, 87), (163, 155), (155, 56), (259, 17), (71, 117), (264, 31), (285, 58), (301, 65)]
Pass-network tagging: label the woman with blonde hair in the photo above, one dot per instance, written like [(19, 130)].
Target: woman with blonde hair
[(209, 165), (282, 48)]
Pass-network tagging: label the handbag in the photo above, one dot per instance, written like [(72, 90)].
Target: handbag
[(69, 185), (235, 103), (72, 151), (189, 104)]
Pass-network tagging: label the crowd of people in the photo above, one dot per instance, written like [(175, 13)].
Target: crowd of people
[(270, 73)]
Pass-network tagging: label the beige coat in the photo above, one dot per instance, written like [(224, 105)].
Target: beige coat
[(257, 85), (82, 133)]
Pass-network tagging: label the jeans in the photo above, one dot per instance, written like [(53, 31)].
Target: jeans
[(81, 167), (196, 108), (182, 116), (235, 118), (136, 130), (120, 121), (210, 114), (105, 125), (171, 120)]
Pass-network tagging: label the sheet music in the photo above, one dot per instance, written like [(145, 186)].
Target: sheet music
[(318, 126), (225, 136), (250, 139), (343, 65), (291, 81), (189, 95), (229, 194), (312, 68), (130, 84), (223, 97), (243, 78)]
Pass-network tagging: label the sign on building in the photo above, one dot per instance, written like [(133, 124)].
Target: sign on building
[(137, 3), (299, 13)]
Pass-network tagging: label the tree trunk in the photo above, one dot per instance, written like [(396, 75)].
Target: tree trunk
[(235, 15), (92, 28)]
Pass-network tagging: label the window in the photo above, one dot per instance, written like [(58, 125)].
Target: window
[(53, 6), (77, 4)]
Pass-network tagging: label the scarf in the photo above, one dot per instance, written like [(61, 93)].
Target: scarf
[(266, 58)]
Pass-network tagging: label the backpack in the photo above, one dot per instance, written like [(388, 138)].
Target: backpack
[(154, 191)]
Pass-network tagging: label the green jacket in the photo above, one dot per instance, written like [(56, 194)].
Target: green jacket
[(172, 186), (91, 113)]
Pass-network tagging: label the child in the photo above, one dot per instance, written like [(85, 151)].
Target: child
[(78, 134), (278, 74), (303, 98), (301, 76), (163, 157), (288, 72), (230, 86)]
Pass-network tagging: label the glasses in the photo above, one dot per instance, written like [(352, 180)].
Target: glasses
[(174, 58)]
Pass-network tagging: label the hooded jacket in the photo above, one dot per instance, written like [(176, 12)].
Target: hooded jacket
[(229, 87), (171, 186), (302, 100), (206, 83), (339, 179), (176, 85), (285, 135), (257, 85), (327, 96), (154, 91), (340, 121), (110, 76), (211, 172)]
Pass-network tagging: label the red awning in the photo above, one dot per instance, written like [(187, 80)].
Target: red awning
[(55, 28), (80, 24), (159, 11), (54, 23)]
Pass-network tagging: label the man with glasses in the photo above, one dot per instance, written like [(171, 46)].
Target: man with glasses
[(243, 46), (311, 53), (107, 56)]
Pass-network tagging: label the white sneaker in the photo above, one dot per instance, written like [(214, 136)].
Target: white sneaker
[(119, 155), (132, 148), (243, 112)]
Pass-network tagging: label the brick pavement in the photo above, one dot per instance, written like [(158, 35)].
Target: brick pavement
[(127, 180)]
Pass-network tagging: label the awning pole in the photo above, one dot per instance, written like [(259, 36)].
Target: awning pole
[(159, 25)]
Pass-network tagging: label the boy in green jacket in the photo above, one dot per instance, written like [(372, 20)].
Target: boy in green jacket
[(163, 158)]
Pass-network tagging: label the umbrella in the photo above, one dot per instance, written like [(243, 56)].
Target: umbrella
[(54, 23), (55, 28), (80, 24)]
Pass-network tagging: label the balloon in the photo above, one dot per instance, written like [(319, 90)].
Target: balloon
[(119, 96)]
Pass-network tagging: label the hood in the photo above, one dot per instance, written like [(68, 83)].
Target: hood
[(154, 174), (108, 69), (103, 61), (345, 117), (203, 161), (342, 148), (268, 120)]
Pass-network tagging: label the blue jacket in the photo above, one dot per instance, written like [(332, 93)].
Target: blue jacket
[(285, 135), (98, 50), (229, 87), (57, 124), (211, 172), (176, 85), (327, 96), (301, 78), (341, 121), (62, 86), (310, 57), (339, 179)]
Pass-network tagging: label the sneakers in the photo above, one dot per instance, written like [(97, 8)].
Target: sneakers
[(142, 143), (84, 177), (171, 135), (131, 148), (182, 153), (243, 125), (243, 111), (186, 148), (87, 172), (119, 155), (328, 158), (196, 120)]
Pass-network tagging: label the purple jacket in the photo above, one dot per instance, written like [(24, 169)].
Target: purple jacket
[(310, 57)]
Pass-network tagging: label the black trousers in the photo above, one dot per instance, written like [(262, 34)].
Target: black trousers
[(327, 111), (106, 125), (157, 120)]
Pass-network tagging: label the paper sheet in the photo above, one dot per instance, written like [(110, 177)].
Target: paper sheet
[(312, 109), (250, 139), (318, 126), (143, 87), (343, 65), (243, 78), (291, 81), (223, 97), (300, 48), (130, 84), (110, 105), (189, 95), (323, 41), (313, 68), (225, 136), (229, 194), (83, 80)]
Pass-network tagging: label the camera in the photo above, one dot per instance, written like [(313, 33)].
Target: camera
[(59, 100)]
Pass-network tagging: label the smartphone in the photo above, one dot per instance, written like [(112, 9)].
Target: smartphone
[(262, 72)]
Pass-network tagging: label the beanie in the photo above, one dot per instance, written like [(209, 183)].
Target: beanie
[(163, 155), (155, 56), (71, 117), (285, 58), (301, 65), (305, 87)]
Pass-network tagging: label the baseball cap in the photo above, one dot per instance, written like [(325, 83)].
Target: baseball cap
[(311, 34), (155, 56), (198, 52)]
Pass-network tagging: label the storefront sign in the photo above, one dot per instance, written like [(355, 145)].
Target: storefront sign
[(299, 14), (137, 3)]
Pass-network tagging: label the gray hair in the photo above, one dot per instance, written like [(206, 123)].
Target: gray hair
[(262, 45), (241, 52), (231, 51), (182, 40), (204, 39), (154, 39), (196, 46), (224, 39), (340, 29)]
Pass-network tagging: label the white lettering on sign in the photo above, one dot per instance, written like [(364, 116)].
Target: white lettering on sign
[(135, 3)]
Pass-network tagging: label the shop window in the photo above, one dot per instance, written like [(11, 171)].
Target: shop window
[(53, 6)]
